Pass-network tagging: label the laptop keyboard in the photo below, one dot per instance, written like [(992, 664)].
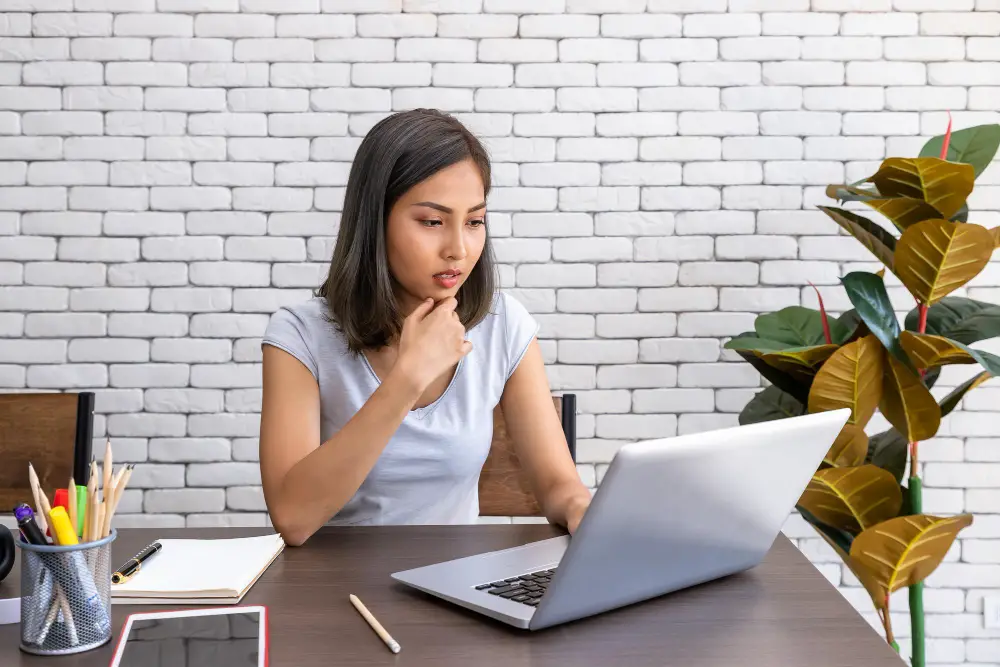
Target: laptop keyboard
[(527, 588)]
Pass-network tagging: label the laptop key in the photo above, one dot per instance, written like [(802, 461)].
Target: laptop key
[(510, 579), (526, 577), (498, 583), (536, 594), (511, 593), (533, 602), (483, 586), (520, 598), (501, 590)]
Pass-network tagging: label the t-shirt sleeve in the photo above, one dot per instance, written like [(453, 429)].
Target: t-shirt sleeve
[(290, 332), (520, 328)]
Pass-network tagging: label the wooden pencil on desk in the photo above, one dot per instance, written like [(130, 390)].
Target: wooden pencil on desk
[(376, 626), (42, 506), (107, 488)]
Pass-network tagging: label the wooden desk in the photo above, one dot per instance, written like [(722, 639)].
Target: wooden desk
[(784, 612)]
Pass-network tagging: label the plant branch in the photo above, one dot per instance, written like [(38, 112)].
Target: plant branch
[(823, 316), (947, 140), (887, 624)]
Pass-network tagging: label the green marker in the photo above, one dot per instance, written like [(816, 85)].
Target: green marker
[(81, 504)]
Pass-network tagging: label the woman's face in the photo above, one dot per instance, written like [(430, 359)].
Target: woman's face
[(436, 233)]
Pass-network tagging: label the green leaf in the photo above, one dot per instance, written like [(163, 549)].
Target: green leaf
[(931, 376), (757, 344), (888, 450), (771, 404), (851, 324), (867, 292), (962, 215), (958, 318), (951, 401), (795, 325), (973, 145), (841, 538), (776, 377)]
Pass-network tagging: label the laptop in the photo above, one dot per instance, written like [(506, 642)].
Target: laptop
[(670, 513)]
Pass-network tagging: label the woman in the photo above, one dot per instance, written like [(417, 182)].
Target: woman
[(378, 393)]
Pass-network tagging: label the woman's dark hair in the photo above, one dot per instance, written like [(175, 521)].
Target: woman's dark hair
[(400, 151)]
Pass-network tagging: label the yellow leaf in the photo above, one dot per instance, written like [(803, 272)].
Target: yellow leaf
[(799, 362), (903, 551), (879, 241), (936, 257), (854, 498), (995, 232), (928, 350), (904, 211), (849, 449), (908, 404), (866, 577), (850, 378), (942, 184)]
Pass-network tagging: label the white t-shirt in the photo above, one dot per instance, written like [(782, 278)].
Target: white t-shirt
[(428, 472)]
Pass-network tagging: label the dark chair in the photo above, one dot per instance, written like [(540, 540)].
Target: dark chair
[(53, 432), (504, 489)]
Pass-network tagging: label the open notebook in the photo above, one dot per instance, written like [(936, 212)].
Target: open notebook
[(212, 571)]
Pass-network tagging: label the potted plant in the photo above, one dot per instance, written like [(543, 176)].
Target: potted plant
[(865, 499)]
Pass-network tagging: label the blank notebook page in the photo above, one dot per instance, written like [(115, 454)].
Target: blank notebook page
[(203, 567)]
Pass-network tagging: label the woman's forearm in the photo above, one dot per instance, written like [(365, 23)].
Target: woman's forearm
[(565, 501), (319, 485)]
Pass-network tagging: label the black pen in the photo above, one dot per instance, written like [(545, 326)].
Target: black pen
[(26, 522), (133, 564)]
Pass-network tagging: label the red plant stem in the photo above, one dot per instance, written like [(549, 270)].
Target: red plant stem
[(823, 316), (947, 140)]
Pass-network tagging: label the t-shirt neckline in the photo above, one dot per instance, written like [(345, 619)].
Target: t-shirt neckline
[(424, 411)]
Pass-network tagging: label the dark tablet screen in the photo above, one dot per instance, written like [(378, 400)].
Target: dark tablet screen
[(194, 641)]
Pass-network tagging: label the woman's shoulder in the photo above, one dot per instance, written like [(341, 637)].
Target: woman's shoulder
[(305, 330)]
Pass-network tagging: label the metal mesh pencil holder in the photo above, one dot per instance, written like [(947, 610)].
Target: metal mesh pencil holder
[(65, 596)]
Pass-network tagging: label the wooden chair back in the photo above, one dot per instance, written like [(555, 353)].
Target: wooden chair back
[(53, 432), (504, 489)]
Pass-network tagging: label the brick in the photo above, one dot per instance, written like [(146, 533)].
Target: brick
[(759, 48), (724, 25), (227, 325), (19, 98), (844, 148), (673, 400), (721, 123), (646, 274), (680, 49), (184, 500), (104, 98), (310, 75), (524, 6), (604, 149), (243, 425), (799, 23), (962, 73), (714, 222), (605, 49), (639, 25), (844, 98), (598, 351), (641, 173), (66, 274), (722, 173), (474, 26), (636, 427), (32, 148), (633, 223), (636, 325), (591, 249), (761, 148), (191, 299), (62, 122), (803, 173), (636, 74), (186, 99), (59, 325), (17, 49), (881, 124), (676, 299), (842, 48), (960, 23), (192, 50), (717, 374), (34, 199), (808, 72), (108, 350), (524, 199), (800, 123), (598, 199), (268, 49), (191, 351), (678, 99), (234, 174), (761, 98), (245, 498), (600, 300), (267, 300), (145, 123), (66, 376), (719, 273), (552, 224), (894, 73), (231, 274), (627, 376), (547, 75), (757, 300), (680, 198), (720, 73), (581, 98), (571, 378), (513, 100), (33, 352)]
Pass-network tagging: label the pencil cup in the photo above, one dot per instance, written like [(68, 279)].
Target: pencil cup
[(65, 596)]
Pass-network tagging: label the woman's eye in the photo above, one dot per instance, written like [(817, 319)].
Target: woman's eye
[(431, 222), (477, 222)]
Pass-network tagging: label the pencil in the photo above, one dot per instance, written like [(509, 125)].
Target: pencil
[(101, 527), (36, 492), (376, 626)]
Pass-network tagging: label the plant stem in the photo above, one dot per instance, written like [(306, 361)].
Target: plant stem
[(918, 656), (915, 490), (887, 624)]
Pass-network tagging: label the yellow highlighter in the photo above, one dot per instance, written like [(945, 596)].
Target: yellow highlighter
[(61, 526)]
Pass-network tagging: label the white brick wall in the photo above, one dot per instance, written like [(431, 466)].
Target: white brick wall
[(172, 172)]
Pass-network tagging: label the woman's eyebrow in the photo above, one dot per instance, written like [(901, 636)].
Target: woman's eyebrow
[(445, 209)]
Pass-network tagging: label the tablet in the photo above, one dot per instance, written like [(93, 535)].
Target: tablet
[(202, 637)]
